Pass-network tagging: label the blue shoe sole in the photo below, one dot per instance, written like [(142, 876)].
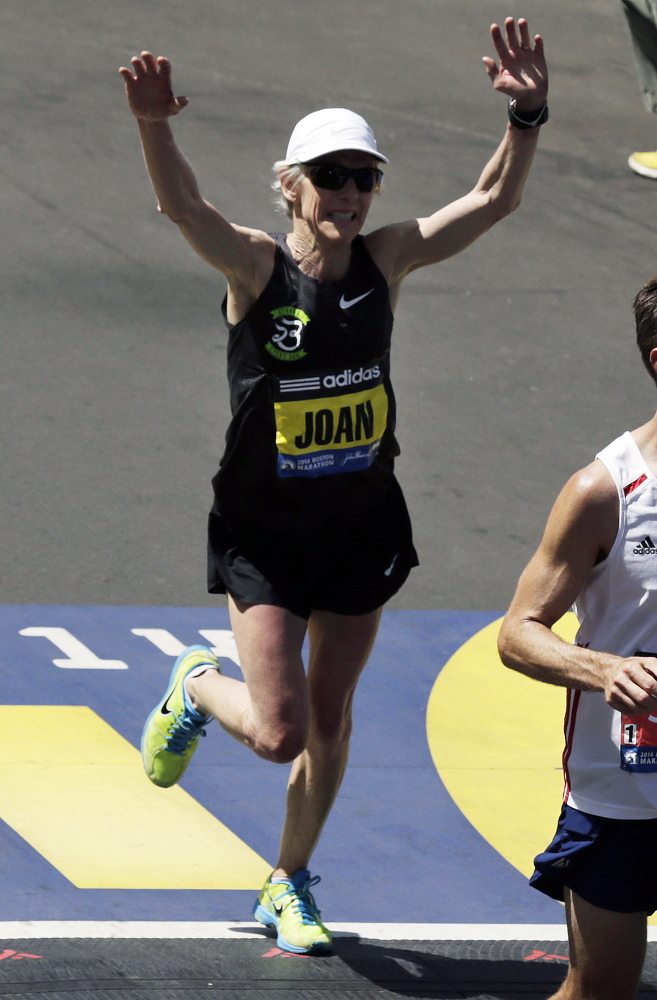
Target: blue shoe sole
[(189, 649), (262, 914)]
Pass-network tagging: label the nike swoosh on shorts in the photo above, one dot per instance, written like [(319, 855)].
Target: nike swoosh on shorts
[(388, 571)]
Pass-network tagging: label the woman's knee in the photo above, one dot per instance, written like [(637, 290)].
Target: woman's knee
[(282, 745)]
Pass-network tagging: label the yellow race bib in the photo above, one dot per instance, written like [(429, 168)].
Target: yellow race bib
[(321, 429)]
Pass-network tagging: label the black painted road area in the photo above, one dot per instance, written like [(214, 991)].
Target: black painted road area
[(514, 362)]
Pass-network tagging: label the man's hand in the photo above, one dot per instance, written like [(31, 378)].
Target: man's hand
[(522, 72), (631, 685), (148, 88)]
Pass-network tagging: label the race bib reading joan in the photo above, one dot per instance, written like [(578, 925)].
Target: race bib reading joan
[(330, 422), (638, 741)]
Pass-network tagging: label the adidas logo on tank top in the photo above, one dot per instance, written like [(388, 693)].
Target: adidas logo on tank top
[(646, 547)]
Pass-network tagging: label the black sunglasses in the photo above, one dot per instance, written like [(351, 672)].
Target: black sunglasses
[(333, 177)]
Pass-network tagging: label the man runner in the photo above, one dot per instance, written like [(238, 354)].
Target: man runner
[(599, 553)]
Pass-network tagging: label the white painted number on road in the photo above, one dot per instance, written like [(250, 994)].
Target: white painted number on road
[(221, 641), (163, 640), (80, 656)]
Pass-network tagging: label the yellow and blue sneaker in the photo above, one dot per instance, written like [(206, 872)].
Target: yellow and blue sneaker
[(173, 728), (288, 905)]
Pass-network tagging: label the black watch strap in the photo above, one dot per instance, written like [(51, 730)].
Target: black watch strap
[(527, 119)]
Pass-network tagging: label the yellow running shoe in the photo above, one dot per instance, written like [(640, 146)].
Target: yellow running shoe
[(644, 164), (173, 728), (288, 905)]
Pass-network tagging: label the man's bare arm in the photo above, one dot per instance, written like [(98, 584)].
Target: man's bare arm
[(580, 532)]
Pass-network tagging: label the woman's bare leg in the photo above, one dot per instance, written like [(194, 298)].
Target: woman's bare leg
[(269, 710), (281, 715), (339, 649)]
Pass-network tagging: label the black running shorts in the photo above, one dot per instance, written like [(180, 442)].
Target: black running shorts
[(351, 572)]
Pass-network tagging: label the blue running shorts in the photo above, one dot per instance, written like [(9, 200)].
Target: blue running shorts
[(610, 863)]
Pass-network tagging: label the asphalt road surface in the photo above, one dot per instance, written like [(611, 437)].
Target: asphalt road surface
[(513, 363)]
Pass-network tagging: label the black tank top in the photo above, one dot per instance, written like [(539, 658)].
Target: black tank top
[(311, 443)]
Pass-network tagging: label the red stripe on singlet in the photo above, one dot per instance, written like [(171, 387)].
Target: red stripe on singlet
[(572, 702), (632, 486)]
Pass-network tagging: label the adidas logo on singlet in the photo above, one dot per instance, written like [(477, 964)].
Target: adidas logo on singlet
[(646, 547)]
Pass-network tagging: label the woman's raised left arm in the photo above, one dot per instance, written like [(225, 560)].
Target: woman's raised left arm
[(521, 75)]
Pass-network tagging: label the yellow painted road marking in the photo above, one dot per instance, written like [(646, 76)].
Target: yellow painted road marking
[(75, 790), (496, 738)]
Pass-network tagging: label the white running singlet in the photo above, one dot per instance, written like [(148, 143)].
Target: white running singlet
[(610, 760)]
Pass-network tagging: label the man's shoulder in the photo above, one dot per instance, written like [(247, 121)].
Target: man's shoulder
[(593, 485), (585, 515)]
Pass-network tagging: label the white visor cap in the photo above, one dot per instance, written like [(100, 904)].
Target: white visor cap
[(328, 131)]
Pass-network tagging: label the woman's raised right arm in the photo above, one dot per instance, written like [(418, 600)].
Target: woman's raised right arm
[(241, 254)]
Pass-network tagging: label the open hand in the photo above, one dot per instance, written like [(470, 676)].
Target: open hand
[(148, 88), (522, 71)]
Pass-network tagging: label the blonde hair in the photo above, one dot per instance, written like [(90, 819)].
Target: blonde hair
[(292, 174)]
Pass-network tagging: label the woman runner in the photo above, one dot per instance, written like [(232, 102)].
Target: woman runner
[(309, 531)]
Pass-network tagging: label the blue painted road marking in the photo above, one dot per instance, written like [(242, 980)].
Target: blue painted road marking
[(396, 848)]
